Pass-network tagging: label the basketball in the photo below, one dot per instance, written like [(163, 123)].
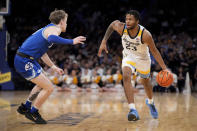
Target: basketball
[(164, 78)]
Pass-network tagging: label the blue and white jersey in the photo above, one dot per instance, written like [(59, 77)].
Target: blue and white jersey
[(36, 45)]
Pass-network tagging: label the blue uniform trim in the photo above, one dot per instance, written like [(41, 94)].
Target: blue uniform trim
[(144, 76), (59, 40), (141, 75), (43, 34), (27, 68), (36, 45)]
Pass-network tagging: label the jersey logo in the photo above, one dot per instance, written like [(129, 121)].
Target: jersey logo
[(50, 45), (137, 40), (130, 45), (29, 66)]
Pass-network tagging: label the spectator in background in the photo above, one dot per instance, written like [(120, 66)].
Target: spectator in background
[(195, 79), (181, 79), (173, 87), (72, 82), (117, 78), (107, 80), (95, 82), (86, 76)]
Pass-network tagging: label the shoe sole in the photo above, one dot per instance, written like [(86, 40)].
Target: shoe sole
[(32, 119), (29, 117), (20, 112), (132, 117), (41, 122)]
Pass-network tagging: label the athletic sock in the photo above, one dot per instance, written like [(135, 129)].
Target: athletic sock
[(28, 104), (132, 106), (150, 101), (33, 109)]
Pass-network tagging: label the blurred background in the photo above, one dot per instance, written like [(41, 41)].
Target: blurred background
[(173, 25)]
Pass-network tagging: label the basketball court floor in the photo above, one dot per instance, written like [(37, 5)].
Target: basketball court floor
[(101, 112)]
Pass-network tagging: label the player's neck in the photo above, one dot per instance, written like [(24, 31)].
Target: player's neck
[(59, 28), (134, 31)]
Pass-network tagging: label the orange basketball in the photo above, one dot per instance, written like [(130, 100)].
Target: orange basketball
[(164, 78)]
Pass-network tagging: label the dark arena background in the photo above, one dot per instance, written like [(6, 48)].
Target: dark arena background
[(90, 95)]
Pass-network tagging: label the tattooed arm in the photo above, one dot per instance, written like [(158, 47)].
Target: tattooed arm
[(114, 26)]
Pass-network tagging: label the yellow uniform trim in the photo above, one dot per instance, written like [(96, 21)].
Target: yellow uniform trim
[(140, 71), (140, 33), (131, 63), (143, 72), (125, 32)]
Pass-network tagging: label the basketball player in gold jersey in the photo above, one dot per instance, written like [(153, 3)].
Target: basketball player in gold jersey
[(136, 42)]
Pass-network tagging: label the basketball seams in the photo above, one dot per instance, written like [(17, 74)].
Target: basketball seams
[(170, 78), (166, 79), (162, 77)]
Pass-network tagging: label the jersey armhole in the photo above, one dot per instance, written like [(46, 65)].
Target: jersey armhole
[(43, 33), (142, 35), (44, 30), (123, 30)]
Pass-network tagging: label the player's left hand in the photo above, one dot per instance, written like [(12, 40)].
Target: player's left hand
[(79, 40), (166, 69), (58, 70)]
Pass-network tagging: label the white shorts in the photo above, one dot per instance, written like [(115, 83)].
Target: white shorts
[(141, 65)]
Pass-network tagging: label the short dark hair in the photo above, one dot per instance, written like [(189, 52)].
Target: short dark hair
[(57, 15), (135, 13)]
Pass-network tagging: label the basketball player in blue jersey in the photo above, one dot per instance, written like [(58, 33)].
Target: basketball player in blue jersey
[(33, 48), (136, 42)]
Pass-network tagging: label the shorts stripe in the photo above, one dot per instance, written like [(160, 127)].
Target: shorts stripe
[(143, 72), (140, 71), (144, 76), (131, 63)]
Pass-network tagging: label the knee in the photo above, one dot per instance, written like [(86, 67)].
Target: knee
[(126, 77), (126, 74), (50, 89)]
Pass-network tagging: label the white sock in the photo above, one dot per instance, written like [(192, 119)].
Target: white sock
[(150, 101), (131, 106), (29, 100)]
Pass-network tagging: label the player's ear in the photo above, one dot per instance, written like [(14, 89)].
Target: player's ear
[(61, 22), (137, 21)]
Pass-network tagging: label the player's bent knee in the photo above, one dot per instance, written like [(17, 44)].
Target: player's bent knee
[(126, 73), (43, 82), (50, 89), (126, 77)]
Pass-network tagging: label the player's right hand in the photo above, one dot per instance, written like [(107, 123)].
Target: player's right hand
[(58, 70), (79, 40), (103, 46)]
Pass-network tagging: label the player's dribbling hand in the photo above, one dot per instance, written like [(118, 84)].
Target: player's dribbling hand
[(166, 70), (103, 46), (58, 70), (79, 40)]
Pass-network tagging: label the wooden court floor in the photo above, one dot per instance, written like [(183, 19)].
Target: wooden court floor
[(101, 112)]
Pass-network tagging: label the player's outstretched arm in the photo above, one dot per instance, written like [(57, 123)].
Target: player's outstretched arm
[(52, 35), (147, 39), (114, 26)]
